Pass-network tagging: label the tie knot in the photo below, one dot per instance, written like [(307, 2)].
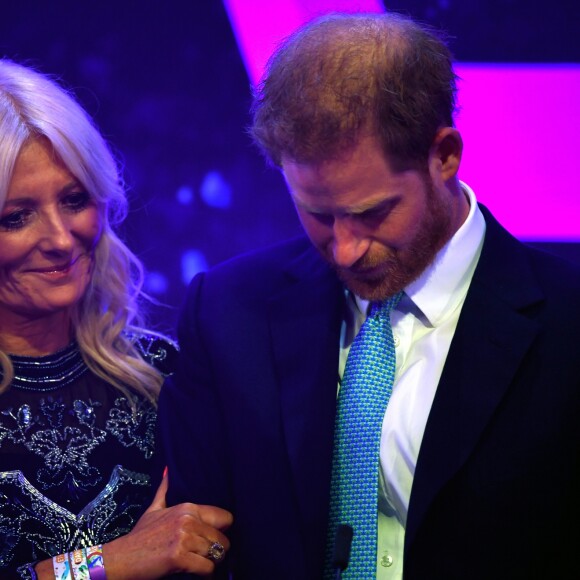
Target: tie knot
[(382, 309)]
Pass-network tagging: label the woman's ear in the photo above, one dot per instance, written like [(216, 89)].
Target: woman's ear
[(445, 154)]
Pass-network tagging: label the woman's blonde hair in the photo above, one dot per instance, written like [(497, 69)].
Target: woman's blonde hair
[(107, 318)]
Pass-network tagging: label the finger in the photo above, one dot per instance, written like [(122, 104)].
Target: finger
[(198, 564), (217, 536), (198, 534), (200, 539), (216, 551), (196, 521), (215, 516), (159, 502), (201, 531)]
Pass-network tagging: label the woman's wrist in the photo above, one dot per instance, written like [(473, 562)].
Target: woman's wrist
[(81, 564)]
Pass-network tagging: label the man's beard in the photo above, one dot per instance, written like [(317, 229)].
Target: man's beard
[(392, 270)]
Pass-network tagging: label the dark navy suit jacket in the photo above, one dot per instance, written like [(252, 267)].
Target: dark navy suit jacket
[(247, 421)]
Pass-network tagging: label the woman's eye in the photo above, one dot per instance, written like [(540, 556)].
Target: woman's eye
[(14, 220), (77, 201)]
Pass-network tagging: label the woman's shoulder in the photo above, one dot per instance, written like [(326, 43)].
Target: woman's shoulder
[(157, 350)]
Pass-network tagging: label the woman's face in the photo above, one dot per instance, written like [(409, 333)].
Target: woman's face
[(49, 227)]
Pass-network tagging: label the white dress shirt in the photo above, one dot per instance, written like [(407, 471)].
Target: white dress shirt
[(423, 325)]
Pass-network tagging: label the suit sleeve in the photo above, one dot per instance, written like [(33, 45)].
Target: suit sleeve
[(190, 424)]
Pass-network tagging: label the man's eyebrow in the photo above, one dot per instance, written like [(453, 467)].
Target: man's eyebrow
[(308, 207), (355, 210), (371, 206)]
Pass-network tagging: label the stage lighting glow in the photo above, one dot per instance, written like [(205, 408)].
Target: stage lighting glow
[(520, 123)]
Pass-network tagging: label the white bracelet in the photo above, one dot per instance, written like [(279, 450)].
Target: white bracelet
[(78, 564), (61, 567)]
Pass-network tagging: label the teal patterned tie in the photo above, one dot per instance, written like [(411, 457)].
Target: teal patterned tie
[(365, 390)]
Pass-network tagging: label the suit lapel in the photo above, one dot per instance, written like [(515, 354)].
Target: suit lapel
[(305, 323), (491, 339)]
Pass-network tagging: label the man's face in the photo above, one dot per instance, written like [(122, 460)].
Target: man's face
[(377, 228)]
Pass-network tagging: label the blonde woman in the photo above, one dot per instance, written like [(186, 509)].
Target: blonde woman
[(80, 375)]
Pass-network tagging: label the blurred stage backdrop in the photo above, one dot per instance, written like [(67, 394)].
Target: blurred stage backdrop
[(169, 85)]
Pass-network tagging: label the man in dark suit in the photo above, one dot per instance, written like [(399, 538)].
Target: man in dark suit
[(478, 461)]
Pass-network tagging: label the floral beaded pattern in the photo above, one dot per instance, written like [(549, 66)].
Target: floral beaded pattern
[(64, 454), (52, 529), (133, 427), (158, 353), (66, 450), (75, 456)]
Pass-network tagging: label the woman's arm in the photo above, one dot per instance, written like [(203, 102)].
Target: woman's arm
[(164, 541)]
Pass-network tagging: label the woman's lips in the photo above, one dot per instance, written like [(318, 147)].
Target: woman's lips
[(56, 269)]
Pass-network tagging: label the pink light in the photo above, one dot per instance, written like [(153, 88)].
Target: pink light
[(521, 132), (520, 123), (260, 25)]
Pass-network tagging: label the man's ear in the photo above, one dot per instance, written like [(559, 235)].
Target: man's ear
[(445, 154)]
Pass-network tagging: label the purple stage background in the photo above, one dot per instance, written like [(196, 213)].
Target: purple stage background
[(168, 87)]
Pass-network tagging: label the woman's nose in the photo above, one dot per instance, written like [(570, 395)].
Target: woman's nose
[(56, 234)]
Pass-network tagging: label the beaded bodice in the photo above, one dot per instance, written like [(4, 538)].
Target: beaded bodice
[(75, 456), (50, 372)]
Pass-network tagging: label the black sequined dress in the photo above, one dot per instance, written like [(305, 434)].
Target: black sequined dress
[(75, 459)]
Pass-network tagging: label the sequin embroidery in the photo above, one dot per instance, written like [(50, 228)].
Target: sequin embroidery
[(25, 513), (62, 431)]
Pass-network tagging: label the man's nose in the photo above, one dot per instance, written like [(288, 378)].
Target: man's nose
[(349, 244)]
